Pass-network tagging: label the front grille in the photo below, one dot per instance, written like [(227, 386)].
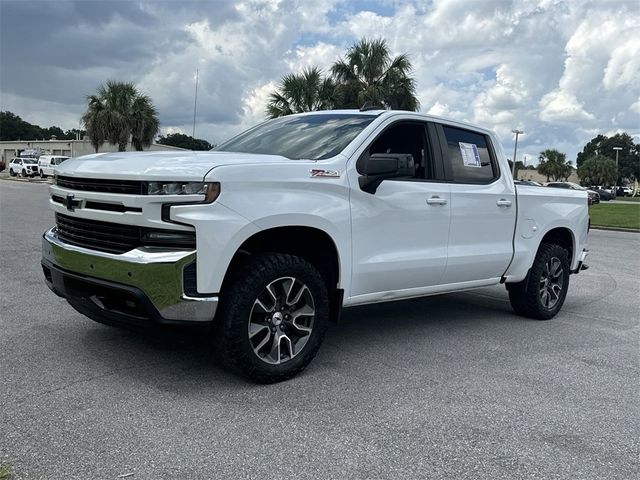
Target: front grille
[(131, 187), (109, 207), (103, 236), (118, 238)]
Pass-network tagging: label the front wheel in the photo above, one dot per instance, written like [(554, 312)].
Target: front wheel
[(23, 174), (273, 317), (543, 292), (42, 175)]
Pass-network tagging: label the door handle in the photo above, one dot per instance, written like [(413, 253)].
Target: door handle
[(503, 202), (435, 200)]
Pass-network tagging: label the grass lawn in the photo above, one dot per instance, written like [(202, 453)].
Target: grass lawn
[(629, 199), (615, 215), (5, 472)]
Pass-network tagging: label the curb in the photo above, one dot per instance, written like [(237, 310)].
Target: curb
[(24, 180), (615, 229)]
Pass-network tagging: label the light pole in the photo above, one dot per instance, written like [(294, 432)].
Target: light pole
[(515, 151), (615, 183), (195, 106)]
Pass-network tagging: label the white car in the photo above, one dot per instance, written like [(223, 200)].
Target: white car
[(47, 164), (25, 167), (270, 235)]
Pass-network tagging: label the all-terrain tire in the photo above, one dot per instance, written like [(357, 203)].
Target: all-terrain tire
[(528, 297), (232, 323)]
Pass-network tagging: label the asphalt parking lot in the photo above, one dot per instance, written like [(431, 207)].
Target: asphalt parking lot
[(455, 386)]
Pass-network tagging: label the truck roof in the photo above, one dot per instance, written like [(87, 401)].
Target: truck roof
[(389, 113)]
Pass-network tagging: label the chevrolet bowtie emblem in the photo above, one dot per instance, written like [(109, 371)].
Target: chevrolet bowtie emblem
[(70, 203)]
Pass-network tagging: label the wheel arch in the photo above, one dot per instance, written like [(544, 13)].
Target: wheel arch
[(310, 243), (562, 236)]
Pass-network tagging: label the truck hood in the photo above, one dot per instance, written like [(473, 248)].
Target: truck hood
[(182, 165)]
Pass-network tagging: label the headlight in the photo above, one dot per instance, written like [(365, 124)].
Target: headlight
[(176, 188), (209, 190)]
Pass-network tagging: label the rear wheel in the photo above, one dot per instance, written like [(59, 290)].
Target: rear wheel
[(12, 173), (543, 292), (273, 317)]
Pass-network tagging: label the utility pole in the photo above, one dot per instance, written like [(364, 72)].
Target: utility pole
[(515, 151), (615, 183), (195, 105)]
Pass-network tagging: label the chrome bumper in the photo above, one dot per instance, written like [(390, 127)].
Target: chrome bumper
[(158, 274)]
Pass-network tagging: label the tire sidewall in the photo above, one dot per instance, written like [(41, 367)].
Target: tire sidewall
[(236, 311), (536, 274)]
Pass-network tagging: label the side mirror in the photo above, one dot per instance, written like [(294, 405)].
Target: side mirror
[(381, 166)]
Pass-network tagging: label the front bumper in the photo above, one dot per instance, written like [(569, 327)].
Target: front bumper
[(143, 285)]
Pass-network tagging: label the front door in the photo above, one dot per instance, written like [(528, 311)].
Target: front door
[(400, 232)]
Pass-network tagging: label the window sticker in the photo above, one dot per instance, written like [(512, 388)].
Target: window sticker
[(470, 155)]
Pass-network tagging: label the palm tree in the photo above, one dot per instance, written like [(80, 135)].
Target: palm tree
[(119, 112), (554, 164), (369, 74), (598, 170), (301, 92), (144, 122)]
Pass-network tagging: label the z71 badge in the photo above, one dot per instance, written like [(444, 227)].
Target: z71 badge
[(316, 172)]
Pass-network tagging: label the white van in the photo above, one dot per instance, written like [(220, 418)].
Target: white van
[(47, 163)]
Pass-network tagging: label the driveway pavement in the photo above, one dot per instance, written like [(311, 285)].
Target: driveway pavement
[(455, 386)]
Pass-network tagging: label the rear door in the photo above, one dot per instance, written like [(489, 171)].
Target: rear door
[(483, 206)]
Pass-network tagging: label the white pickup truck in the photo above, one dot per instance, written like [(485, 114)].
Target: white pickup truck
[(270, 235)]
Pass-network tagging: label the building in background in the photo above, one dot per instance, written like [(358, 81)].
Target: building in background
[(69, 148)]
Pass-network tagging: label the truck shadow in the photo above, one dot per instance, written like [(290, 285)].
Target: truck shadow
[(360, 331)]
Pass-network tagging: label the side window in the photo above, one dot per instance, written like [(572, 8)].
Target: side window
[(406, 138), (469, 156)]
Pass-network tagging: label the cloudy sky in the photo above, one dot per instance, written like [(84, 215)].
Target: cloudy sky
[(562, 71)]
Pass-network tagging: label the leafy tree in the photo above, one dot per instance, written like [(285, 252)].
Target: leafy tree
[(304, 92), (598, 170), (628, 157), (554, 164), (12, 127), (53, 132), (368, 73), (119, 112), (185, 141)]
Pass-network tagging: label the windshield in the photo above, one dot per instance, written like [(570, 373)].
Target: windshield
[(28, 161), (312, 137), (575, 186), (59, 160)]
